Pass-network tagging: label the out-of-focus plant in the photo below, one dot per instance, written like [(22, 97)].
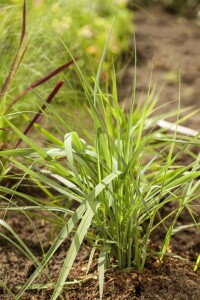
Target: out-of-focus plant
[(8, 104), (82, 25)]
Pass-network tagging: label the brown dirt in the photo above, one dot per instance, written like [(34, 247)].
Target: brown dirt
[(173, 279), (174, 43)]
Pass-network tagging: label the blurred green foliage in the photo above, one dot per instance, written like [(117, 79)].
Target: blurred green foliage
[(81, 26)]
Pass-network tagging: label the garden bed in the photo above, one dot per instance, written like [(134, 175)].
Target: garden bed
[(172, 279), (172, 42)]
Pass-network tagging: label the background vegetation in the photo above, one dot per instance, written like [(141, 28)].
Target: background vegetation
[(54, 25)]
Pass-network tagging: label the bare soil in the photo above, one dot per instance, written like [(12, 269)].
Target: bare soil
[(166, 44), (174, 43), (172, 279)]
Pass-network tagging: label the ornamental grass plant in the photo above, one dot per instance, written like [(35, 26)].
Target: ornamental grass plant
[(121, 180), (109, 188)]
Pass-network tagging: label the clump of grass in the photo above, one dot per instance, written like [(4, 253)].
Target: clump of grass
[(121, 181)]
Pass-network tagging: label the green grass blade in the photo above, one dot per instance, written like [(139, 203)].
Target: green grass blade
[(101, 270), (19, 240), (59, 240), (96, 87), (48, 181), (73, 250), (4, 286)]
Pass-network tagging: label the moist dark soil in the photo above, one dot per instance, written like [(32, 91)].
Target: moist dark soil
[(174, 42)]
